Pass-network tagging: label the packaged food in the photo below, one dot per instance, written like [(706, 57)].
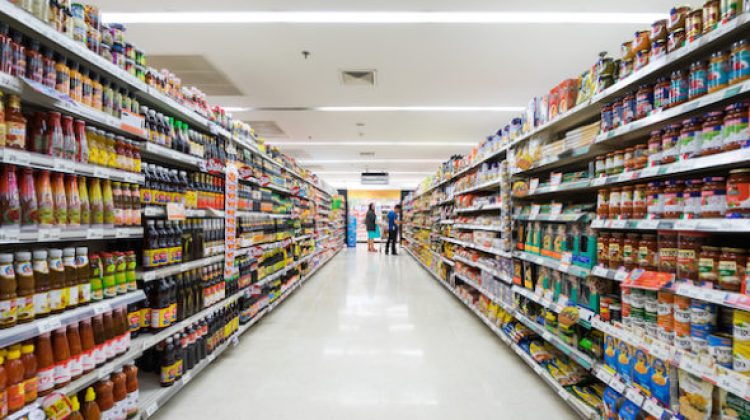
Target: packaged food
[(696, 397), (741, 342)]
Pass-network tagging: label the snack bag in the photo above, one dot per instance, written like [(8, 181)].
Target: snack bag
[(696, 397)]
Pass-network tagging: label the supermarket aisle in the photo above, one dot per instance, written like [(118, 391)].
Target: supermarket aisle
[(369, 337)]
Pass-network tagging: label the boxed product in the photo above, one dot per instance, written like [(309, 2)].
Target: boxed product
[(696, 397)]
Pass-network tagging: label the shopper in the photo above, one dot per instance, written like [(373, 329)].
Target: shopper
[(394, 220), (372, 228)]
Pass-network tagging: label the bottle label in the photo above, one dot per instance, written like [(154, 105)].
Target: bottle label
[(16, 135), (134, 320), (46, 379), (87, 361), (62, 373), (73, 295), (8, 311), (74, 366), (99, 355), (25, 305), (56, 299), (30, 389), (41, 303), (166, 375), (132, 402), (16, 398), (109, 349), (161, 318), (84, 291)]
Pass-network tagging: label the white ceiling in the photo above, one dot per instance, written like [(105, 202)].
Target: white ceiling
[(417, 65)]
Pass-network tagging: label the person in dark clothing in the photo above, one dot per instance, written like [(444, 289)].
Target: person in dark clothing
[(394, 220), (371, 225)]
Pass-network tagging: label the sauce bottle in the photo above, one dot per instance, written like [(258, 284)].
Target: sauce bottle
[(58, 288), (82, 144), (45, 364), (8, 308), (120, 277), (121, 331), (62, 72), (55, 143), (96, 93), (104, 398), (14, 371), (29, 372), (41, 283), (70, 147), (76, 409), (117, 199), (100, 355), (167, 364), (19, 55), (71, 276), (34, 62), (108, 275), (109, 335), (61, 201), (108, 203), (82, 270), (131, 385), (38, 135), (130, 271), (48, 65), (61, 353), (88, 362), (95, 277), (95, 202), (76, 84), (3, 393), (86, 87), (29, 213), (45, 201), (10, 201), (76, 350), (74, 200), (90, 407), (119, 393), (83, 196), (15, 124), (24, 287)]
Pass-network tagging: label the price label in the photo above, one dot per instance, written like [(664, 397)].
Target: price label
[(10, 235), (653, 408), (48, 325), (186, 377), (554, 210), (621, 275), (618, 224), (101, 308), (735, 385), (152, 408), (685, 224), (648, 224), (175, 211), (535, 208), (617, 385), (633, 395), (627, 176), (52, 234), (650, 171), (600, 271), (597, 223), (599, 181), (533, 185), (94, 234), (555, 179)]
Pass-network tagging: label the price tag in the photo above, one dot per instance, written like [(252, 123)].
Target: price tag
[(600, 271), (186, 377), (554, 210), (533, 185), (52, 234), (555, 179), (563, 394), (709, 224), (647, 224), (633, 395), (597, 223), (16, 158), (618, 224), (735, 385), (653, 408), (10, 235), (152, 408), (101, 308), (650, 171), (534, 211), (621, 275), (617, 385), (660, 352), (94, 234), (48, 325), (175, 211), (627, 176), (599, 181), (685, 224)]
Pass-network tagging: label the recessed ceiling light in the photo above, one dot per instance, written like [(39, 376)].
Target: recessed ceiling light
[(600, 18), (324, 161), (390, 172), (420, 108), (282, 143)]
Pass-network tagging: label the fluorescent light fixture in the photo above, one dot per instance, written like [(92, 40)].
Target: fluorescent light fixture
[(390, 172), (420, 108), (329, 161), (235, 108), (313, 143), (601, 18)]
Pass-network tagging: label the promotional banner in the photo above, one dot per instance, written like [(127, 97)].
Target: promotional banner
[(359, 200), (230, 222)]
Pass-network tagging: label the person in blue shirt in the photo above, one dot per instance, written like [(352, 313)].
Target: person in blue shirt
[(393, 224)]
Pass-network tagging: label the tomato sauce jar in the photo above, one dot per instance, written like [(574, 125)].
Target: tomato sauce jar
[(718, 71), (672, 198), (738, 194), (698, 79), (713, 197)]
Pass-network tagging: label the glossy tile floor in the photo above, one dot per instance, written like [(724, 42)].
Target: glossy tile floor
[(369, 337)]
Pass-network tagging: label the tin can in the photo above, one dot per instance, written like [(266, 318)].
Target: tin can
[(711, 15), (637, 304), (694, 25), (741, 342), (720, 348)]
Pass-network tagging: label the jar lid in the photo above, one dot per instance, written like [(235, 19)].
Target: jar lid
[(694, 182), (55, 252), (692, 121), (740, 171), (23, 255), (656, 133), (654, 184), (82, 250), (6, 258), (715, 114), (673, 182), (733, 250), (710, 248), (713, 179)]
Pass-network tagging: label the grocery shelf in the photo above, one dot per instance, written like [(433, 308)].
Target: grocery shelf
[(491, 250), (278, 273), (301, 238), (491, 155), (504, 277), (562, 217), (478, 227), (719, 297), (444, 202), (580, 358), (485, 186), (480, 289), (39, 161), (529, 294), (152, 151), (10, 235), (171, 270), (157, 211), (553, 264), (608, 273), (262, 215), (22, 332), (700, 225), (648, 404), (487, 207)]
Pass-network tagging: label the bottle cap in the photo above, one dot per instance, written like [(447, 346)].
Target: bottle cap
[(90, 395), (82, 250), (74, 403), (6, 258), (23, 255), (39, 254), (55, 253), (27, 348), (69, 252), (14, 354)]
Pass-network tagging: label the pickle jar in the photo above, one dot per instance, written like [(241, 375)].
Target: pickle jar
[(618, 162), (599, 166), (609, 163)]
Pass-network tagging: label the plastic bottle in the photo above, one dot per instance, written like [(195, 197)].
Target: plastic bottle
[(119, 394), (130, 271), (109, 336), (167, 364), (8, 308), (15, 124), (82, 144), (61, 352), (76, 409), (61, 200), (74, 200), (3, 392), (131, 384), (55, 144), (83, 196), (108, 203), (29, 372), (95, 202), (28, 196), (10, 201), (120, 268), (108, 275), (24, 286), (95, 277), (37, 134), (45, 364), (41, 283), (82, 268), (71, 276), (14, 370), (100, 355), (90, 407), (88, 363), (104, 398), (58, 288)]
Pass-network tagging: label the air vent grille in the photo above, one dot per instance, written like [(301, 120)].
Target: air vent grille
[(366, 154), (358, 77)]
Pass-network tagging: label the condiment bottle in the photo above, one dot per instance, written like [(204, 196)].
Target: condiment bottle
[(55, 143), (104, 398), (61, 352), (108, 203), (75, 407), (29, 213), (95, 202), (120, 277), (76, 352), (10, 201), (38, 135), (70, 147), (71, 276), (108, 275), (8, 308), (131, 384), (45, 364), (14, 370), (74, 200), (30, 382), (109, 336), (76, 84), (95, 277), (58, 288), (83, 196), (100, 355), (45, 202), (82, 270), (15, 124), (90, 407), (88, 362), (61, 201), (119, 393), (3, 393), (62, 71), (25, 286), (41, 283)]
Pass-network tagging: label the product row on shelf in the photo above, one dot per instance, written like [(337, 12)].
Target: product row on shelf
[(213, 227), (612, 254)]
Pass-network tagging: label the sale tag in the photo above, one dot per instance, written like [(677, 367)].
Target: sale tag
[(555, 179), (535, 208), (554, 210), (175, 211), (633, 395), (533, 185)]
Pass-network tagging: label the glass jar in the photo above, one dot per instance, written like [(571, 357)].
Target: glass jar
[(732, 264), (630, 251), (639, 201), (654, 147), (618, 162), (640, 157), (614, 203), (626, 203), (602, 203), (647, 252), (661, 93), (602, 249), (740, 61), (708, 265), (690, 139), (711, 15), (654, 204), (669, 142), (600, 168), (667, 252), (712, 141), (738, 193), (713, 197), (628, 108), (627, 158), (678, 88), (672, 199), (694, 25), (734, 131), (676, 40), (698, 80), (609, 163), (644, 101), (614, 254), (617, 114), (606, 118), (687, 255), (692, 198), (718, 71)]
